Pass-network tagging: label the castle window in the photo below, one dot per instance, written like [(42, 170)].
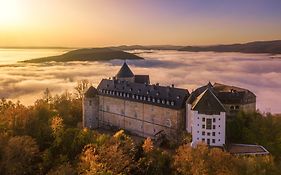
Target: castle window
[(213, 134), (213, 141), (203, 126), (209, 123), (203, 119), (214, 120), (90, 102), (214, 126), (203, 133)]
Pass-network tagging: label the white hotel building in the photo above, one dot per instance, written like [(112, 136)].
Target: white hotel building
[(205, 117)]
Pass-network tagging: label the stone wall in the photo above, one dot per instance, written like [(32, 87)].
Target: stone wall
[(140, 118), (90, 112)]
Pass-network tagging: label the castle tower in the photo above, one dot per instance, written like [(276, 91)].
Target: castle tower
[(91, 108), (125, 73)]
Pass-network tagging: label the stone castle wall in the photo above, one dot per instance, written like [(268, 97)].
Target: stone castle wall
[(140, 118)]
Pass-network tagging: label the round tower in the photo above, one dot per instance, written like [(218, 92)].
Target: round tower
[(91, 108)]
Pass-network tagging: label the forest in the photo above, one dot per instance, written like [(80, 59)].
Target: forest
[(47, 138)]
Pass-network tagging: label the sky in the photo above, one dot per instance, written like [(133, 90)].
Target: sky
[(91, 23)]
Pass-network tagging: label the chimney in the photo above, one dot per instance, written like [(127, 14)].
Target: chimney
[(173, 85)]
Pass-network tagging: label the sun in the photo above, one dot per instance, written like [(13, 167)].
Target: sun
[(10, 12)]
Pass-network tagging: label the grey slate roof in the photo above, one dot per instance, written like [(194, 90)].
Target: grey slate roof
[(233, 95), (91, 92), (163, 96), (142, 79), (125, 72), (207, 103)]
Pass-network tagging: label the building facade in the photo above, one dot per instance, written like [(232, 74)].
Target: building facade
[(130, 102)]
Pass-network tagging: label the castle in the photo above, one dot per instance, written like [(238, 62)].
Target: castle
[(130, 102)]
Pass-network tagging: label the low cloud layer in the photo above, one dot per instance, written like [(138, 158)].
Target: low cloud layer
[(259, 73)]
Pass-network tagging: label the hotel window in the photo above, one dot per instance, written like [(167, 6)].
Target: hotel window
[(213, 134), (203, 119), (208, 134), (209, 123), (214, 120), (213, 141), (214, 126), (203, 126), (203, 133)]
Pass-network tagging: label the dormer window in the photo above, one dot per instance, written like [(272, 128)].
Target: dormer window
[(128, 95), (158, 100), (117, 93), (178, 97), (131, 89), (153, 100), (148, 92), (139, 91), (140, 97), (144, 98), (124, 95), (133, 96), (148, 98), (157, 93), (137, 97), (172, 103), (168, 102), (163, 101)]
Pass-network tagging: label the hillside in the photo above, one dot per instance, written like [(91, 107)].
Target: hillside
[(93, 54), (273, 47)]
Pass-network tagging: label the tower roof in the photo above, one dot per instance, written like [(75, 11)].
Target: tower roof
[(125, 72)]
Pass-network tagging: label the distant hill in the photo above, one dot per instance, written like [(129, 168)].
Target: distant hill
[(149, 47), (273, 47), (93, 54)]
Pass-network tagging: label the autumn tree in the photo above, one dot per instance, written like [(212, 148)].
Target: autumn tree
[(20, 155), (203, 161), (81, 88)]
